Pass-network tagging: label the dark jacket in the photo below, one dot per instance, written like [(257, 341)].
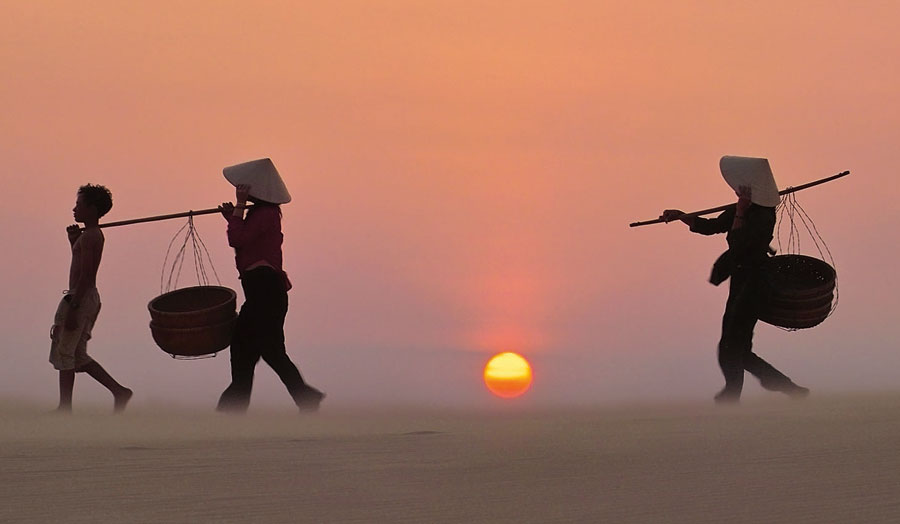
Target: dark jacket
[(748, 246)]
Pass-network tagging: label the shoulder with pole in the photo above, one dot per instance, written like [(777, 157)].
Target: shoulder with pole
[(167, 217), (787, 191)]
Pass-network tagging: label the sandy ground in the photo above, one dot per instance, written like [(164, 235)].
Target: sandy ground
[(773, 460)]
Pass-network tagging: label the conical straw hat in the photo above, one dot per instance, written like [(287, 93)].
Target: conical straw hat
[(262, 177), (754, 173)]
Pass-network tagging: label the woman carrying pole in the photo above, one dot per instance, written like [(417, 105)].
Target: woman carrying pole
[(749, 225), (257, 241)]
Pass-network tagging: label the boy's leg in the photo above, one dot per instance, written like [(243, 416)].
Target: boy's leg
[(66, 384), (63, 346), (121, 394)]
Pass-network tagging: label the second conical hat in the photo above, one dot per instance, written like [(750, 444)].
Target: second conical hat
[(752, 172), (262, 177)]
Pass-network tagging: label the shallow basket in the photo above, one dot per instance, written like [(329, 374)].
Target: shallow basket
[(193, 307), (798, 277), (801, 291), (796, 319), (194, 341)]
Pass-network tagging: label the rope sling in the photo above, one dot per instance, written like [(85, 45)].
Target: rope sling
[(192, 236), (192, 322), (802, 291)]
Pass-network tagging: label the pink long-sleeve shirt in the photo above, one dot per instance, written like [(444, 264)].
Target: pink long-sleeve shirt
[(257, 238)]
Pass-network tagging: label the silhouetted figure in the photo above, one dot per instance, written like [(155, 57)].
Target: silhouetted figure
[(749, 225), (257, 241), (78, 310)]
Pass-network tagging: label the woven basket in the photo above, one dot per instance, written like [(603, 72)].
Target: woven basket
[(193, 321), (194, 341), (801, 291), (193, 307)]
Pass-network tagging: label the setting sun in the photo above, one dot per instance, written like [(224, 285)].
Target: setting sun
[(507, 375)]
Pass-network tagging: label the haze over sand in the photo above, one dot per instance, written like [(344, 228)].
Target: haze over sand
[(463, 175), (771, 460)]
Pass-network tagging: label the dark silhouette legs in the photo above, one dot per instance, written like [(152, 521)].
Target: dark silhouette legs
[(66, 385), (121, 394), (736, 345), (260, 334)]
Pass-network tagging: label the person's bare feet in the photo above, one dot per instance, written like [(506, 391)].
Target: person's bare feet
[(121, 400)]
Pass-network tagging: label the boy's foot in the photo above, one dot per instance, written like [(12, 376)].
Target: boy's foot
[(309, 399), (121, 400)]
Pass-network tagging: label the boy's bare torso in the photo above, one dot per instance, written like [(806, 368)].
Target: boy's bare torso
[(86, 254)]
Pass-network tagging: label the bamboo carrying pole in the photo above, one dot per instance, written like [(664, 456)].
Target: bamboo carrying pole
[(726, 206), (167, 217)]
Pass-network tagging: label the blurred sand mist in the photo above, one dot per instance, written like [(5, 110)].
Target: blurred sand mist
[(770, 460)]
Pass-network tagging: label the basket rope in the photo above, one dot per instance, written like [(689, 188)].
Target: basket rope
[(792, 216), (187, 234)]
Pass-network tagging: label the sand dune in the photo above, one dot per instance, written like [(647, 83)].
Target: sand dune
[(821, 460)]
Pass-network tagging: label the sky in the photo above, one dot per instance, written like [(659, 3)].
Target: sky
[(463, 176)]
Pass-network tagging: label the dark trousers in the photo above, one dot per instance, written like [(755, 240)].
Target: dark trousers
[(745, 296), (260, 333)]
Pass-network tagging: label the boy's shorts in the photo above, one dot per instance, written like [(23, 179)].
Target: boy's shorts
[(68, 347)]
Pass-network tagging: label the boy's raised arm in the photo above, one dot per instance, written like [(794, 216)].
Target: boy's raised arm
[(74, 233)]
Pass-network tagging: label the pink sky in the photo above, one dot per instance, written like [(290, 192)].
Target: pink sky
[(463, 176)]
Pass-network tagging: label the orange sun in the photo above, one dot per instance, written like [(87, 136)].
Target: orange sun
[(507, 375)]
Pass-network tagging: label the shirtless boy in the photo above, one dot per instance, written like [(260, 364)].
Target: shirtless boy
[(79, 308)]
